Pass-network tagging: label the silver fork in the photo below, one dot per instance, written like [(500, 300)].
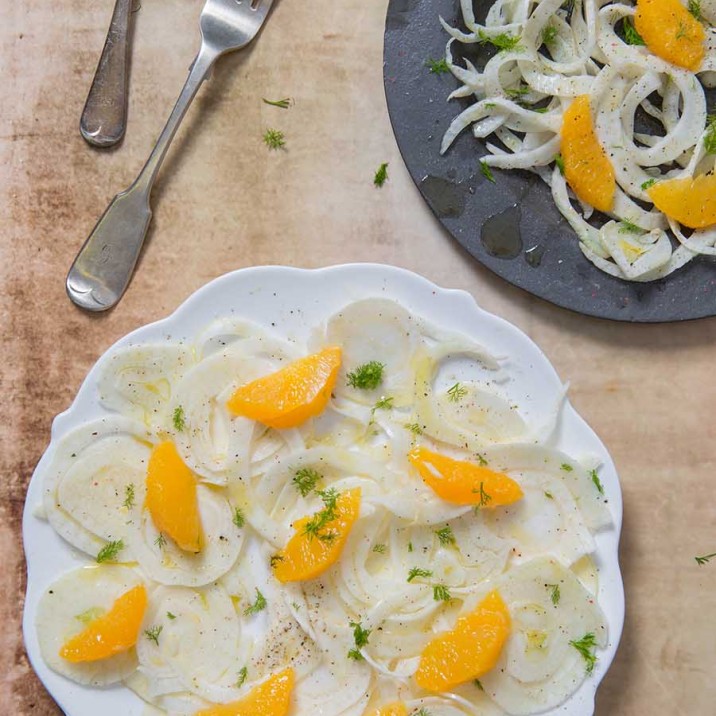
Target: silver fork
[(104, 265)]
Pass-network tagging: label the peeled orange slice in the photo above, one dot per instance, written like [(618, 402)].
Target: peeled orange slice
[(171, 497), (292, 395), (691, 201), (397, 708), (311, 552), (464, 483), (270, 698), (467, 652), (112, 633), (586, 166), (671, 32)]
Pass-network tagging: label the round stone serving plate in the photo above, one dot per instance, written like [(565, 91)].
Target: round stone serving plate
[(511, 226)]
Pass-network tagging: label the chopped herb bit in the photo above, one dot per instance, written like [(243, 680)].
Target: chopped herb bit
[(383, 404), (421, 712), (648, 184), (503, 41), (161, 541), (706, 558), (437, 67), (446, 536), (367, 376), (549, 34), (89, 615), (597, 482), (410, 548), (274, 139), (681, 32), (566, 467), (171, 616), (238, 519), (456, 393), (629, 227), (441, 593), (414, 428), (418, 572), (282, 103), (109, 552), (381, 175), (258, 605), (516, 92), (380, 548), (153, 633), (710, 135), (360, 637), (586, 646), (484, 497), (478, 684), (555, 595), (178, 419), (631, 36), (243, 672), (318, 522), (490, 105), (694, 7), (548, 495), (129, 496), (541, 110), (275, 559), (481, 459), (560, 163), (306, 479), (487, 172)]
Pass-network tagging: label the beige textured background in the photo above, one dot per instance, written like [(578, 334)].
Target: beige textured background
[(224, 202)]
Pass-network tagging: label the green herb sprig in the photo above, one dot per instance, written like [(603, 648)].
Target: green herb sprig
[(503, 42), (587, 646), (282, 103), (274, 139), (109, 552), (367, 376), (258, 605), (418, 572), (381, 175), (153, 633), (306, 480), (437, 67)]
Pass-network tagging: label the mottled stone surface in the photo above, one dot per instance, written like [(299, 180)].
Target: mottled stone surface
[(224, 202)]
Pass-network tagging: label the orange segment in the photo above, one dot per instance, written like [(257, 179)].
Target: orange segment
[(397, 708), (586, 166), (292, 395), (114, 632), (464, 483), (671, 32), (309, 552), (691, 201), (171, 497), (270, 698), (467, 652)]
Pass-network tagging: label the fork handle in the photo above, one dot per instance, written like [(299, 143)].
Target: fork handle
[(104, 265), (104, 117)]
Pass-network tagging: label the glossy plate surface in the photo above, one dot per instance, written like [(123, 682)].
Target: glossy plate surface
[(292, 302)]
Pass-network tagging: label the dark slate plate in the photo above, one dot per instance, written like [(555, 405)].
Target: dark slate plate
[(547, 261)]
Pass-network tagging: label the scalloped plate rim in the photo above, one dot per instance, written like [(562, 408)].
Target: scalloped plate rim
[(37, 532)]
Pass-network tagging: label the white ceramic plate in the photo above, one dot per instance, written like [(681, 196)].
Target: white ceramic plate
[(292, 301)]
